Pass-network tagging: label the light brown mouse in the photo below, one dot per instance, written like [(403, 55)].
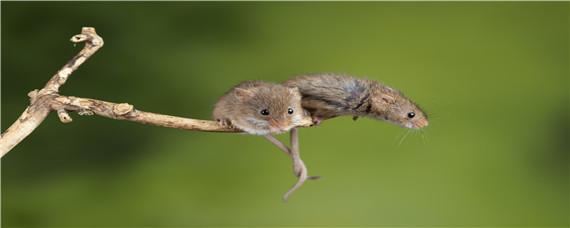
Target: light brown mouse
[(327, 96), (260, 108), (264, 108)]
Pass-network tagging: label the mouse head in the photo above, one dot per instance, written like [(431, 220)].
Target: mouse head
[(390, 105), (271, 108)]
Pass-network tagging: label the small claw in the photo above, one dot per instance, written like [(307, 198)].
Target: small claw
[(225, 123)]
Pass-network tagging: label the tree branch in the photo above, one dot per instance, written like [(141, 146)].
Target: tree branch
[(125, 111), (39, 106), (47, 99)]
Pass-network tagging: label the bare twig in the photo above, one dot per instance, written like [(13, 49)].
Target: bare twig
[(47, 99), (39, 106), (125, 111)]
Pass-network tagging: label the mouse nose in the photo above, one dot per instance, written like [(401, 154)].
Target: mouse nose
[(273, 123), (280, 124), (420, 123)]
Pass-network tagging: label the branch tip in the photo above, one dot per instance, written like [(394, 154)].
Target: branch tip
[(79, 38), (63, 116), (88, 34), (88, 30)]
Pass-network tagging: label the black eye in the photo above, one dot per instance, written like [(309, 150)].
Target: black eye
[(264, 112), (411, 115), (290, 111)]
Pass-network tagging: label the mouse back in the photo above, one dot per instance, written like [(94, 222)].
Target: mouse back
[(329, 95)]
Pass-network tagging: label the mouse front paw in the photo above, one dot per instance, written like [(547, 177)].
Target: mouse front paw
[(225, 123)]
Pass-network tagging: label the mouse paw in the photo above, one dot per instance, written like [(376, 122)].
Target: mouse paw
[(225, 123), (317, 120)]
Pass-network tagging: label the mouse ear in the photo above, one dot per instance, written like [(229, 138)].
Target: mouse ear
[(243, 94), (294, 90)]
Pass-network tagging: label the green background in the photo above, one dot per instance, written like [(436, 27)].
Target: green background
[(493, 76)]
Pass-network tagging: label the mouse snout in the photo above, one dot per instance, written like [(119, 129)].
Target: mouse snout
[(420, 123), (273, 122), (280, 125)]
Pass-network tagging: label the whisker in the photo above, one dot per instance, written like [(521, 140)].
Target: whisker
[(403, 138), (400, 135)]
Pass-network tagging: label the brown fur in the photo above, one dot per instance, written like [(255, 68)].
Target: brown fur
[(327, 96), (241, 107)]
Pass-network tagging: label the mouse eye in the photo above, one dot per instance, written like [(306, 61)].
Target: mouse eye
[(264, 112), (290, 111), (411, 115)]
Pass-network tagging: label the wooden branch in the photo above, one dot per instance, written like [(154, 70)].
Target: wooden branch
[(47, 99), (125, 111), (39, 106)]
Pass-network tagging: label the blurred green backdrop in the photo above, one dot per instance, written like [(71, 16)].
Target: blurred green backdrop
[(493, 76)]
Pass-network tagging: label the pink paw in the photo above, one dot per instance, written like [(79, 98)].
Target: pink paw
[(317, 120)]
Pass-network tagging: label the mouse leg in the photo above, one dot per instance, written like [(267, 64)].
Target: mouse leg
[(299, 168), (278, 144), (293, 152), (298, 165)]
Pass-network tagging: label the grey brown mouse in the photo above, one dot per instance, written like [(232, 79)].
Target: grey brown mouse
[(263, 108), (327, 96), (260, 108)]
